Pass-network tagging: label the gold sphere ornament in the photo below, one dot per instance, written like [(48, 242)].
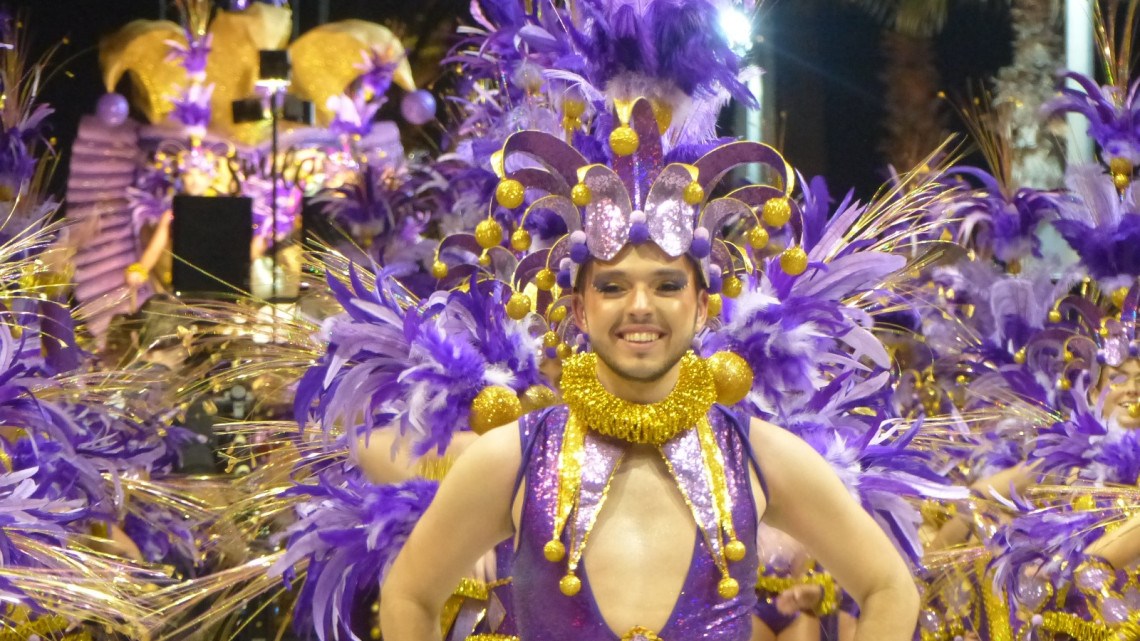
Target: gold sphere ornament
[(728, 588), (1067, 356), (1121, 170), (580, 194), (734, 551), (1019, 356), (1121, 181), (554, 551), (489, 233), (484, 259), (715, 304), (493, 407), (694, 194), (518, 306), (1054, 316), (439, 269), (570, 585), (732, 377), (1118, 297), (777, 212), (520, 240), (793, 261), (510, 193), (573, 108), (537, 397), (565, 351), (545, 279), (558, 314), (550, 339), (758, 237), (1066, 384), (624, 140), (732, 286)]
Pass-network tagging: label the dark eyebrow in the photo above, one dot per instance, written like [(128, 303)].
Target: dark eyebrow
[(667, 272)]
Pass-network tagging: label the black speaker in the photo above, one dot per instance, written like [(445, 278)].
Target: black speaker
[(211, 236), (316, 225)]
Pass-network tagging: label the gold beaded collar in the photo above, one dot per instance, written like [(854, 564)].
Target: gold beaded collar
[(654, 423)]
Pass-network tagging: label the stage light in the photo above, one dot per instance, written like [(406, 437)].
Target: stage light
[(736, 26)]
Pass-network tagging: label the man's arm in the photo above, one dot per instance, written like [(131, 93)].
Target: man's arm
[(809, 502), (471, 513)]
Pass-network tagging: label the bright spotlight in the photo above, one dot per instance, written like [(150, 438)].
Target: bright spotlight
[(736, 26)]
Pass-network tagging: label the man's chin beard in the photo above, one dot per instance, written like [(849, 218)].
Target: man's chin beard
[(651, 377)]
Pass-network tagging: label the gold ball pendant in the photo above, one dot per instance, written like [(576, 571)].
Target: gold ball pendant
[(520, 240), (732, 377), (537, 397), (793, 261), (580, 194), (777, 212), (439, 269), (545, 279), (1054, 316), (734, 551), (564, 351), (518, 306), (694, 194), (732, 286), (1019, 356), (727, 588), (570, 585), (510, 193), (489, 233), (558, 314), (715, 304), (758, 237), (624, 140), (554, 551), (550, 339), (493, 407)]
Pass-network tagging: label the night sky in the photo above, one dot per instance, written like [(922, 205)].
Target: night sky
[(824, 55)]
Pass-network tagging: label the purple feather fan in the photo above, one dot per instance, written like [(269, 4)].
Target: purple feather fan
[(349, 532)]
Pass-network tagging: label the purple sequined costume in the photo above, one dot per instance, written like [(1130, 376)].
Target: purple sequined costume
[(544, 613)]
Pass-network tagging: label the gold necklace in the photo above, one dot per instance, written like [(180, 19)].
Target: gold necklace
[(653, 423)]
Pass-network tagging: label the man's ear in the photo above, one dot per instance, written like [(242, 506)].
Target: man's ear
[(578, 307), (702, 309)]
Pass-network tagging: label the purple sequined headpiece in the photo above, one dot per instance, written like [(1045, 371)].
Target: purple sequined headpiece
[(638, 199)]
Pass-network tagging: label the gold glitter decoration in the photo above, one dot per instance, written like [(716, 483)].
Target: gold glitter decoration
[(1118, 297), (653, 423), (793, 261), (558, 314), (777, 212), (520, 240), (715, 303), (1121, 170), (1084, 503), (638, 631), (5, 459), (580, 194), (518, 306), (997, 612), (1080, 630), (624, 141), (493, 407), (554, 551), (550, 339), (544, 279), (137, 268), (439, 269), (732, 286), (537, 397), (728, 588), (489, 233), (510, 193), (758, 237), (734, 551), (662, 113), (732, 377), (694, 194), (570, 585), (564, 351), (434, 468), (491, 637), (828, 604), (573, 108)]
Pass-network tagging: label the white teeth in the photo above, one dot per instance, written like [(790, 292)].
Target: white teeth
[(642, 337)]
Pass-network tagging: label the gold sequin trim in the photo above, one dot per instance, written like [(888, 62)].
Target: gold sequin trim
[(491, 637), (1081, 630), (41, 627), (645, 633), (653, 423), (434, 468), (775, 584)]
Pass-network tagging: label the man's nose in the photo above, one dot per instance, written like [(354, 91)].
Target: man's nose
[(641, 302)]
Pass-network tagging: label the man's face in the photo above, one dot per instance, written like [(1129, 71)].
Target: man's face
[(1123, 384), (641, 311)]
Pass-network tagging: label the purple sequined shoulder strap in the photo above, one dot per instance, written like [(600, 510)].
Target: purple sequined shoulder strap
[(530, 426), (739, 425)]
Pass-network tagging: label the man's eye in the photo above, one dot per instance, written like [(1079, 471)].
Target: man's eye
[(608, 289), (671, 287)]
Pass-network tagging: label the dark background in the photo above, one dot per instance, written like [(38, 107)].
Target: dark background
[(824, 56)]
